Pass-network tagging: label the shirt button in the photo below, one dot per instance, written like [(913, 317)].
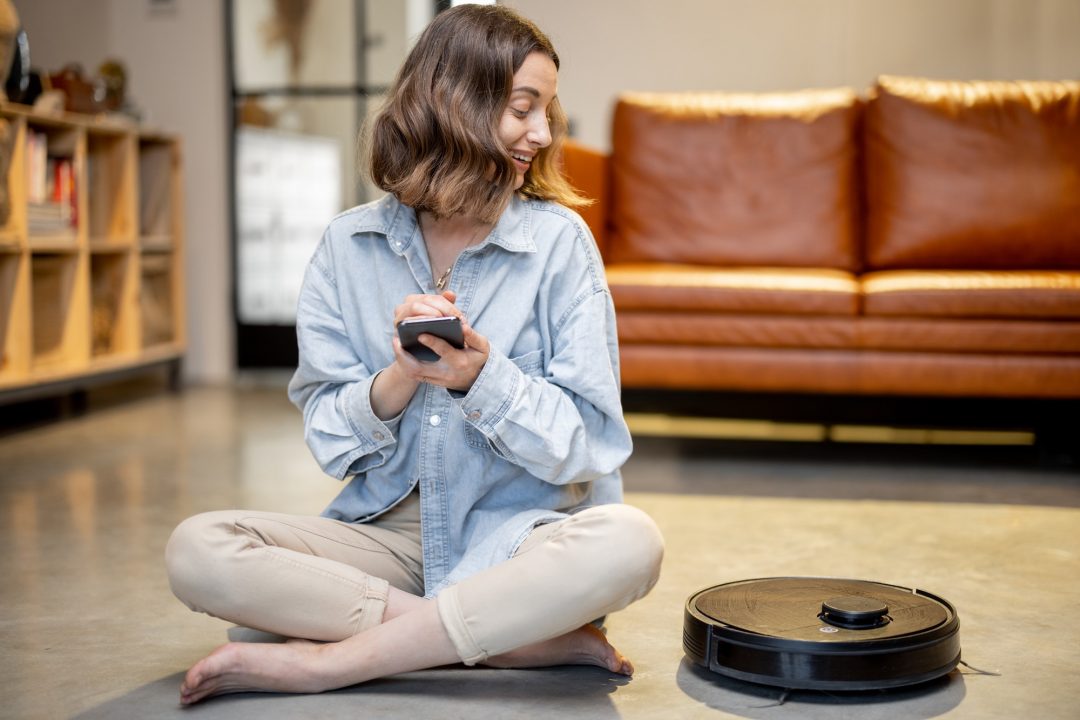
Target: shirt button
[(434, 419), (474, 415), (378, 435)]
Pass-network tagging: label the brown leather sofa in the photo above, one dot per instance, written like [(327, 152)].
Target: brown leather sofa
[(921, 240)]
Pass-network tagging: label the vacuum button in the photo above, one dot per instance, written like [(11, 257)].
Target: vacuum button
[(854, 612)]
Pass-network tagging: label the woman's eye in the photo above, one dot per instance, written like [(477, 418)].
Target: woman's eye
[(519, 113)]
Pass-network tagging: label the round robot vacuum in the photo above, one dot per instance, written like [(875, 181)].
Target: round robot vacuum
[(821, 633)]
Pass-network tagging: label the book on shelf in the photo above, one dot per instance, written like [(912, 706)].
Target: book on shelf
[(48, 218), (53, 205), (50, 179)]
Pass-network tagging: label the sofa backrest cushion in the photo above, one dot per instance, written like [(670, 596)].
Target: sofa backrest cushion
[(733, 179), (973, 175)]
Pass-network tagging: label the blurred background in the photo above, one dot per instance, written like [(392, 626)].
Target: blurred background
[(292, 81)]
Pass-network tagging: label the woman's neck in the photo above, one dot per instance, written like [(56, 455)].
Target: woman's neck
[(445, 239), (456, 230)]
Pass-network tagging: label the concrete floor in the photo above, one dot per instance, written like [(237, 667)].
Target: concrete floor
[(89, 628)]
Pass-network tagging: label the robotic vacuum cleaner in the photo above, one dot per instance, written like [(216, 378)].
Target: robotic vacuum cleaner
[(821, 633)]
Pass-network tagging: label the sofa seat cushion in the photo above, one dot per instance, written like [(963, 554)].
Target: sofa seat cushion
[(697, 288), (1013, 337), (1007, 337), (736, 179), (850, 371), (972, 294), (972, 175)]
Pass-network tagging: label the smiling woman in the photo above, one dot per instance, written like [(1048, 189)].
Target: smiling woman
[(448, 110), (483, 520)]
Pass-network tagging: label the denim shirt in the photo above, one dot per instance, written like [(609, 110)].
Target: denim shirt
[(538, 436)]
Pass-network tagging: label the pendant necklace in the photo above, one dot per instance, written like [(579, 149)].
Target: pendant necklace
[(441, 282)]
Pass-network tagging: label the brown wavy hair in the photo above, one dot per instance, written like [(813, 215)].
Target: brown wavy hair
[(435, 144)]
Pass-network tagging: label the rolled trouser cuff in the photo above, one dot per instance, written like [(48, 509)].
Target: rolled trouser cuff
[(373, 607), (449, 606)]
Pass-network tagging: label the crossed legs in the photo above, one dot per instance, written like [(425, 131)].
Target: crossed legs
[(532, 610)]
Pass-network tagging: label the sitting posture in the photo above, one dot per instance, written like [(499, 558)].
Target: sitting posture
[(483, 520)]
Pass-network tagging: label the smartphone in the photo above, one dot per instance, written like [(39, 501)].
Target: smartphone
[(447, 328)]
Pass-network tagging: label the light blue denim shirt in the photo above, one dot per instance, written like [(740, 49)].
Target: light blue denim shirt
[(539, 435)]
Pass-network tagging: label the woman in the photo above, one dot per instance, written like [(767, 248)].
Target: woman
[(482, 522)]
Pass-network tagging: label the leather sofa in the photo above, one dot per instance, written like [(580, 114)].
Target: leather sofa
[(921, 239)]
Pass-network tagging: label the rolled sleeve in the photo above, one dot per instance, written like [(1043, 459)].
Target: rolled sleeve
[(493, 393), (369, 428)]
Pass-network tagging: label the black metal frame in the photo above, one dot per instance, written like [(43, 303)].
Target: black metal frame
[(268, 346)]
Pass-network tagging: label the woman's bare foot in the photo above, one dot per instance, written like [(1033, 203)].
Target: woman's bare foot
[(584, 646), (255, 667)]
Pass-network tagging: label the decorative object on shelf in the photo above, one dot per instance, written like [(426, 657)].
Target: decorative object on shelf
[(113, 84), (79, 92), (48, 102), (9, 29)]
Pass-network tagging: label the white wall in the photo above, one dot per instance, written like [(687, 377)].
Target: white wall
[(176, 73), (608, 46)]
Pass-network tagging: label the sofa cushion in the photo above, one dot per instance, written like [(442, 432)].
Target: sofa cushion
[(973, 174), (1008, 337), (695, 288), (972, 294), (723, 179), (849, 371)]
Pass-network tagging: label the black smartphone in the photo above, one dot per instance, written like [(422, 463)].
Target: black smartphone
[(447, 328)]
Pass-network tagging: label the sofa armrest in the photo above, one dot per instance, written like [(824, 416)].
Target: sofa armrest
[(589, 171)]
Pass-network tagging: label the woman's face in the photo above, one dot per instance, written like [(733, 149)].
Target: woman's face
[(523, 128)]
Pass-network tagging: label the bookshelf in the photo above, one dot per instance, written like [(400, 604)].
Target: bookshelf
[(91, 250)]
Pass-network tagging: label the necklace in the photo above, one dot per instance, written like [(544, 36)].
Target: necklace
[(441, 282)]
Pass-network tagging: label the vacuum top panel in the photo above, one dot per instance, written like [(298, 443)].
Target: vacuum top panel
[(822, 609)]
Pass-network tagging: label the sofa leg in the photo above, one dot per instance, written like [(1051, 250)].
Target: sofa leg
[(1058, 444)]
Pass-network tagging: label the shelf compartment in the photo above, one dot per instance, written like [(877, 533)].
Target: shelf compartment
[(52, 168), (113, 327), (110, 186), (61, 332), (158, 168), (14, 317), (157, 299)]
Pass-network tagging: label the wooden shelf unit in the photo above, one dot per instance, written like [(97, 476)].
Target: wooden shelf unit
[(91, 274)]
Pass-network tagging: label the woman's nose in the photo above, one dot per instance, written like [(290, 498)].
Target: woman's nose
[(540, 132)]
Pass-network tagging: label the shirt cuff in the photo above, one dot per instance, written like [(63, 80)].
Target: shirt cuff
[(373, 432), (491, 395)]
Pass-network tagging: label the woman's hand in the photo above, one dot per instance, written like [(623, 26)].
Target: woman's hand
[(455, 369), (427, 306), (394, 387)]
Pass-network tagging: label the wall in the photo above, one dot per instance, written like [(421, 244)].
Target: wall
[(608, 46), (176, 65)]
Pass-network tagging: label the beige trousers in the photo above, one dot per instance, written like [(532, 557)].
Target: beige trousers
[(322, 579)]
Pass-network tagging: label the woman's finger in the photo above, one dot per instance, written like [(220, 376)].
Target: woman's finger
[(474, 340)]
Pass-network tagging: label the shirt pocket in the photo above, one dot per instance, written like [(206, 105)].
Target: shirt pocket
[(531, 363)]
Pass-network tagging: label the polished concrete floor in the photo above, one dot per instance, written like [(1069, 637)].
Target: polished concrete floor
[(89, 629)]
